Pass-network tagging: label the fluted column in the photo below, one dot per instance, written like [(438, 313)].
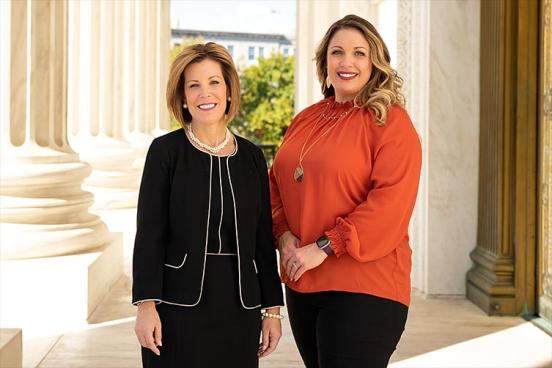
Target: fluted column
[(501, 280), (412, 18), (138, 133), (163, 48), (119, 24), (442, 236), (150, 47), (545, 158), (44, 211), (147, 53), (7, 79), (128, 65), (128, 103)]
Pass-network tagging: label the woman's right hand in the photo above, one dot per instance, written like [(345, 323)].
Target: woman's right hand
[(286, 245), (148, 326)]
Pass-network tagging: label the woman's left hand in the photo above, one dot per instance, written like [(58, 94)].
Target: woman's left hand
[(271, 333), (304, 259)]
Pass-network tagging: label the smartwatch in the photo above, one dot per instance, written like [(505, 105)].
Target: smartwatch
[(323, 243)]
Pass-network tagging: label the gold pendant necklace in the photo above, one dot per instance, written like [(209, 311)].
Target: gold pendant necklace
[(299, 173)]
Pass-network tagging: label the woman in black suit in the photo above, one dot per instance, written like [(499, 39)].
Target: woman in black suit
[(204, 263)]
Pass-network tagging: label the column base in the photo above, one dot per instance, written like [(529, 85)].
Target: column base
[(490, 304), (115, 176), (489, 284), (11, 347), (112, 199), (45, 296)]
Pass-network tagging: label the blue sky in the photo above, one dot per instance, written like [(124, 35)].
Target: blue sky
[(262, 16)]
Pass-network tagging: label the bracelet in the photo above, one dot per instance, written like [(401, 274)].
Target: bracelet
[(272, 315)]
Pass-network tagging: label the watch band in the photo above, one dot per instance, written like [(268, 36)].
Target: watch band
[(323, 243)]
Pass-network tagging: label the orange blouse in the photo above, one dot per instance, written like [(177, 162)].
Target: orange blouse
[(359, 188)]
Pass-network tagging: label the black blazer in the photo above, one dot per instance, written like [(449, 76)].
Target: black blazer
[(171, 235)]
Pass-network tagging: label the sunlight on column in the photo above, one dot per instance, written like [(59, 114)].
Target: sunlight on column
[(387, 22)]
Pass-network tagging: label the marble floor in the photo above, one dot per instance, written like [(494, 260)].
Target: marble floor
[(447, 332), (439, 333)]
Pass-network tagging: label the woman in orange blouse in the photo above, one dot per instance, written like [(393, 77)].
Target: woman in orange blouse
[(343, 189)]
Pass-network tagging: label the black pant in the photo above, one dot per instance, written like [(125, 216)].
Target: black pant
[(335, 329)]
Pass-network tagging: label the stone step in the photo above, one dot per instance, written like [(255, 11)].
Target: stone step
[(11, 348), (47, 296)]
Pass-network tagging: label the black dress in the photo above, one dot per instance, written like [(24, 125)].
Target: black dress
[(218, 331)]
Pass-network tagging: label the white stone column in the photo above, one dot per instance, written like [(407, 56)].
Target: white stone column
[(118, 67), (413, 67), (128, 113), (150, 32), (148, 55), (53, 252), (139, 133), (101, 138), (44, 210), (442, 93), (163, 49), (117, 91), (8, 75), (158, 38)]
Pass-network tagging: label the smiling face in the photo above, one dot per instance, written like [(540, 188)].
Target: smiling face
[(349, 64), (205, 91)]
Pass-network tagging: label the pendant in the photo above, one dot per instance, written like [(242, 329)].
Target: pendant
[(298, 175)]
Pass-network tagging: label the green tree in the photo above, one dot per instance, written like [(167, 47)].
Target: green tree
[(267, 100)]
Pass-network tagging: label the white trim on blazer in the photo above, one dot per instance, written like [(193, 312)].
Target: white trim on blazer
[(182, 264), (206, 240), (237, 238), (221, 205)]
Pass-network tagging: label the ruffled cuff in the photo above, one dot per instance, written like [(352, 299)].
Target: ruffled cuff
[(337, 240)]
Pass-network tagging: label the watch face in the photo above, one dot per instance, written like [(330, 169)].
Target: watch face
[(322, 242)]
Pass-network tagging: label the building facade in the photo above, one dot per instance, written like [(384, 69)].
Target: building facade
[(245, 48)]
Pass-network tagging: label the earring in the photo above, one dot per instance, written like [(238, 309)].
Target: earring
[(227, 110), (186, 113)]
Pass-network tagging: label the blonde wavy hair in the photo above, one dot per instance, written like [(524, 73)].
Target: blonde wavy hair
[(195, 54), (383, 89)]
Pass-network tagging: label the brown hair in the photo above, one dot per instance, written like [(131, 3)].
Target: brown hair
[(195, 54), (383, 89)]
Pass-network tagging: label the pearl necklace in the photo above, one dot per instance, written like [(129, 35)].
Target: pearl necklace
[(211, 149)]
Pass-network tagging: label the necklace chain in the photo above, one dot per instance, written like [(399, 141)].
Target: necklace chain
[(207, 147), (299, 171)]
